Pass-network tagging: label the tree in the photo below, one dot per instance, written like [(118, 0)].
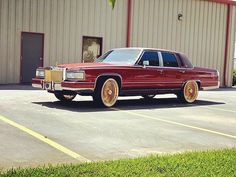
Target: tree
[(112, 3)]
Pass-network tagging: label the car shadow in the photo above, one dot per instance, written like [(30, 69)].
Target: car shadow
[(131, 104), (222, 89), (18, 87)]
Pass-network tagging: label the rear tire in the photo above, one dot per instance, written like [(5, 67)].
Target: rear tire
[(106, 93), (64, 97), (189, 92)]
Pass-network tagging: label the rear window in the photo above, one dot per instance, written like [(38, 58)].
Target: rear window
[(185, 61), (169, 60)]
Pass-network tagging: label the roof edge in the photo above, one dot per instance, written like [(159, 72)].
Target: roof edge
[(228, 2)]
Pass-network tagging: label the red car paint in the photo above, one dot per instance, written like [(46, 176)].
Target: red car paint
[(137, 78)]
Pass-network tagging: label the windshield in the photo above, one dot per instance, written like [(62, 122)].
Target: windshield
[(126, 56)]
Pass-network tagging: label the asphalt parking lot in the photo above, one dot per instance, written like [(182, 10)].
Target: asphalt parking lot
[(36, 129)]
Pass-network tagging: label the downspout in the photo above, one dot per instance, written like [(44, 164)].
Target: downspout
[(226, 60), (128, 37)]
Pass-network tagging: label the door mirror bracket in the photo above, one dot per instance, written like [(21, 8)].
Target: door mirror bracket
[(145, 63)]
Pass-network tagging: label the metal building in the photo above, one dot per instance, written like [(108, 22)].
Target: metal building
[(50, 32)]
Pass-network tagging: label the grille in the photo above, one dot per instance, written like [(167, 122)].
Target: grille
[(53, 75)]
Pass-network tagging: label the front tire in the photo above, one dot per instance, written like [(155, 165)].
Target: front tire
[(106, 93), (64, 97), (189, 92)]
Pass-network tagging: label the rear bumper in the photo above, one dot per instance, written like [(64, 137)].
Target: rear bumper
[(212, 87)]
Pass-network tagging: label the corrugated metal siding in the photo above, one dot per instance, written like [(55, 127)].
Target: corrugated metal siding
[(64, 22), (201, 34), (230, 65)]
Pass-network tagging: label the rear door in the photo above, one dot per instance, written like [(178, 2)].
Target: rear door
[(31, 55), (172, 71)]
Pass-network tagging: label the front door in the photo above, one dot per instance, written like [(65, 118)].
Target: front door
[(31, 55), (148, 76)]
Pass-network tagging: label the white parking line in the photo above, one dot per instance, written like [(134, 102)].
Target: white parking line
[(177, 123)]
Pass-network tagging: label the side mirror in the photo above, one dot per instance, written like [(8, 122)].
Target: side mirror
[(145, 63)]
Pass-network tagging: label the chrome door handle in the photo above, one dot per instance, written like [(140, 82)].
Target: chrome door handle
[(182, 71), (40, 58)]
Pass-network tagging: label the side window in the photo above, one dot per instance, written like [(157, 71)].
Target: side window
[(151, 56), (169, 60)]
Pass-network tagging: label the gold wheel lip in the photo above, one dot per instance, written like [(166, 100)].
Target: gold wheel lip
[(195, 89), (115, 95)]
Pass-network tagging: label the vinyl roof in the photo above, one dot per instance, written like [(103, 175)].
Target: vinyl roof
[(143, 48)]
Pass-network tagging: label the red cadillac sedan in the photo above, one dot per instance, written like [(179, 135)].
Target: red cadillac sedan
[(128, 72)]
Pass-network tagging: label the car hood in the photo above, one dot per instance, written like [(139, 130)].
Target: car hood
[(89, 65)]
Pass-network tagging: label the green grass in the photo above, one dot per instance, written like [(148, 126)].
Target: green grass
[(234, 72), (209, 163)]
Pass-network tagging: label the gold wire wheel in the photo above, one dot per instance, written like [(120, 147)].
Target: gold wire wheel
[(109, 92), (190, 91)]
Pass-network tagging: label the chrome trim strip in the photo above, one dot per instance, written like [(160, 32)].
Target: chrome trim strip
[(77, 89), (108, 74), (160, 59), (64, 74), (139, 56), (152, 82), (79, 82), (210, 82)]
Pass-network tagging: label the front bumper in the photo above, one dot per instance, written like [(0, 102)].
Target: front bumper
[(50, 86), (60, 86)]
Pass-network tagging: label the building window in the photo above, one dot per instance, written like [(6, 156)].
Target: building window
[(92, 48)]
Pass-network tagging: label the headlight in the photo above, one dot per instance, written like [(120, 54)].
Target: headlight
[(80, 75), (40, 73)]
